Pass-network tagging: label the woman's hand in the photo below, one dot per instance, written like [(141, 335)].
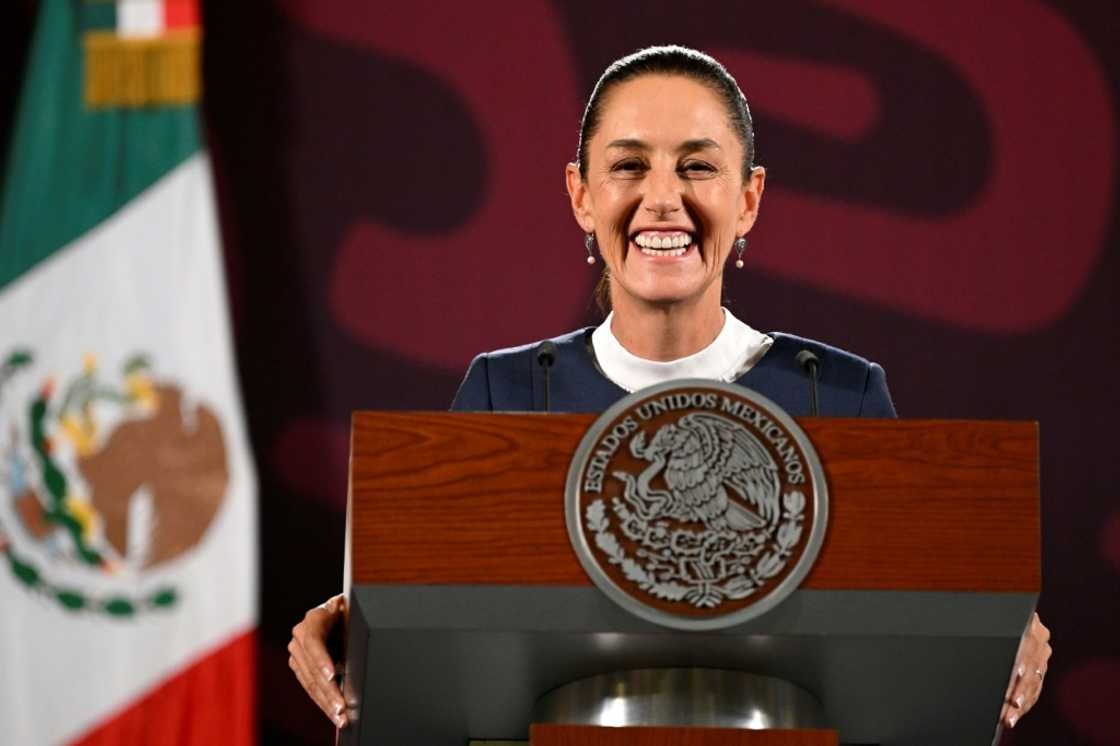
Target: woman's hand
[(311, 662), (1030, 670)]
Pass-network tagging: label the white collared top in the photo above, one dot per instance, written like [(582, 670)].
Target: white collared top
[(733, 352)]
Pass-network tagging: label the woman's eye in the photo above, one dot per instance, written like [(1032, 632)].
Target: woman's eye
[(698, 167), (630, 166)]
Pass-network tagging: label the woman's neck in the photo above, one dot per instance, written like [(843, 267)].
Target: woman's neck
[(664, 332)]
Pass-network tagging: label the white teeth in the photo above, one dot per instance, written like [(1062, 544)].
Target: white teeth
[(663, 240), (667, 252)]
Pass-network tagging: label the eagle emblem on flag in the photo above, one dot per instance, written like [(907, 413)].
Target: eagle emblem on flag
[(102, 481)]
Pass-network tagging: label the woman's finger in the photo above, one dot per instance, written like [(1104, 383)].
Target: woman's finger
[(324, 693), (301, 677), (1030, 671), (312, 633), (1023, 698), (306, 676), (312, 662), (1009, 709), (309, 684), (1012, 707)]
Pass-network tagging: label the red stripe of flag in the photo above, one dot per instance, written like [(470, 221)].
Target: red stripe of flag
[(179, 14), (213, 701)]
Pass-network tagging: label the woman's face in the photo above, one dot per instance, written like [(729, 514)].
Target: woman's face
[(664, 193)]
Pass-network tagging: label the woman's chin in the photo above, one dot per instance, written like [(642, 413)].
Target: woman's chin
[(665, 292)]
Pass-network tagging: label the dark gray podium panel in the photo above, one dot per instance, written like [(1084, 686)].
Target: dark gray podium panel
[(436, 665)]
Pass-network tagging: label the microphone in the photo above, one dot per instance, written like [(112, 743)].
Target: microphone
[(546, 356), (810, 364)]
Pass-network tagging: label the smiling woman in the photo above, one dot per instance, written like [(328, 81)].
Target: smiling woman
[(666, 169), (665, 187), (699, 130)]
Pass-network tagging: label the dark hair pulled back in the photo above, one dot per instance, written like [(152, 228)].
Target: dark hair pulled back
[(670, 60), (665, 60)]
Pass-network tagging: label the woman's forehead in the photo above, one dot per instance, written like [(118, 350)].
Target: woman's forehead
[(664, 110)]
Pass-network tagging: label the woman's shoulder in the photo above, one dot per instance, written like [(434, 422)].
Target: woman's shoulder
[(511, 378), (850, 384), (564, 343), (786, 346)]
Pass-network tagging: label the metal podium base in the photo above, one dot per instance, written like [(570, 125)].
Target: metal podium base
[(696, 697)]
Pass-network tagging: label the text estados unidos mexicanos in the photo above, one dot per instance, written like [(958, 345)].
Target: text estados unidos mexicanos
[(607, 446)]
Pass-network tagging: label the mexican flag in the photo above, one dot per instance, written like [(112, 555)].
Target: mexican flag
[(127, 493)]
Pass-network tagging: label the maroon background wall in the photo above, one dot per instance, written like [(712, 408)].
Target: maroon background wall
[(942, 198)]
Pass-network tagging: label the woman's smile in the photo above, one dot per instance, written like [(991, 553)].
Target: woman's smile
[(663, 246)]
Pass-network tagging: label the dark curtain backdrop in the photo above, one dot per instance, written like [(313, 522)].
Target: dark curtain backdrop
[(942, 198)]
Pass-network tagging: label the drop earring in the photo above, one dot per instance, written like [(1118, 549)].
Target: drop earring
[(589, 241), (740, 247)]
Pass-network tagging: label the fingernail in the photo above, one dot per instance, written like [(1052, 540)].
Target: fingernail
[(328, 674), (1019, 701), (338, 709), (1012, 720), (1022, 671), (340, 721)]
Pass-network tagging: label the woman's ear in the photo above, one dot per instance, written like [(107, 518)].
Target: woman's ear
[(752, 199), (581, 199)]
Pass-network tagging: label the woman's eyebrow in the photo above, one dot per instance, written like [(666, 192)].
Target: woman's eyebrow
[(629, 143), (691, 146), (688, 146)]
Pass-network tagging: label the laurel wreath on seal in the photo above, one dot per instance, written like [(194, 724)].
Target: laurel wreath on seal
[(711, 589)]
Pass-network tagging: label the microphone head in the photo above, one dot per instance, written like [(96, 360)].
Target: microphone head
[(546, 354), (805, 359)]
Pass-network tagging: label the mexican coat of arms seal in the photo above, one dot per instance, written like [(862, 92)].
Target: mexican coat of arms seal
[(696, 504)]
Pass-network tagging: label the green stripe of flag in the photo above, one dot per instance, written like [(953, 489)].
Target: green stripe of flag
[(99, 15), (70, 168)]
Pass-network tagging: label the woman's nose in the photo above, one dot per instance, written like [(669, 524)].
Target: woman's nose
[(662, 193)]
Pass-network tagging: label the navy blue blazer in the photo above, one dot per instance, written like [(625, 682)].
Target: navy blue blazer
[(511, 380)]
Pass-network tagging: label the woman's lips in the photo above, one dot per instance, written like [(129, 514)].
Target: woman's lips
[(663, 245), (664, 255)]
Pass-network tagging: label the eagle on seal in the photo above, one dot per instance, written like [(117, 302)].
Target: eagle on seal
[(702, 456)]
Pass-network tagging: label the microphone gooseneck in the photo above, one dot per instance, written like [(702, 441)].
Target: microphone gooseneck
[(811, 365), (546, 356)]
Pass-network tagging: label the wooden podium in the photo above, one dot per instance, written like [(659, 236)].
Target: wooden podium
[(467, 602)]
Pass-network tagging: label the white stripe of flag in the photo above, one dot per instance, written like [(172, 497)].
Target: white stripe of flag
[(140, 17)]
